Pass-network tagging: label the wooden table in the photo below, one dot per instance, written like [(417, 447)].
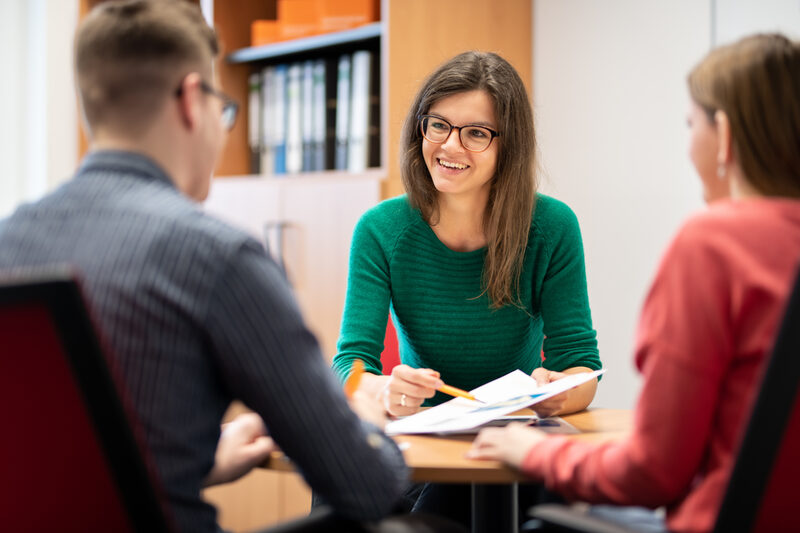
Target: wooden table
[(495, 505), (440, 459)]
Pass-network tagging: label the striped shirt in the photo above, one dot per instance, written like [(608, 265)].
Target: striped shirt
[(197, 315)]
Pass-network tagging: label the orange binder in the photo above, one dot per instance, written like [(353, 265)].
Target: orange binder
[(338, 15), (298, 18), (264, 32)]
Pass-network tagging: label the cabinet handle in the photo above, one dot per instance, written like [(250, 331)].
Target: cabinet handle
[(274, 241)]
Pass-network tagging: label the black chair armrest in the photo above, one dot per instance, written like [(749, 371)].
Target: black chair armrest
[(557, 517)]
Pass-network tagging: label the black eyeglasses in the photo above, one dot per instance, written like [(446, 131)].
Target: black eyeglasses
[(229, 106), (473, 138)]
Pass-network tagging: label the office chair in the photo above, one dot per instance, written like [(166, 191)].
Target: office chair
[(69, 458), (761, 495)]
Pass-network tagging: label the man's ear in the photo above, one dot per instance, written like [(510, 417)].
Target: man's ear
[(724, 139), (189, 100)]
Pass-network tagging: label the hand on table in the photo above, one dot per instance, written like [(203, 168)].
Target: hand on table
[(551, 406), (509, 444), (408, 387), (243, 444)]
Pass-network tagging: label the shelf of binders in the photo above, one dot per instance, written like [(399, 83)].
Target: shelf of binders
[(313, 103), (316, 43)]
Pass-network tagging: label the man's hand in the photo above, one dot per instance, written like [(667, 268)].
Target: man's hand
[(242, 445), (368, 408)]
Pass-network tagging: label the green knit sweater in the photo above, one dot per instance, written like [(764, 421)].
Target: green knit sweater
[(398, 264)]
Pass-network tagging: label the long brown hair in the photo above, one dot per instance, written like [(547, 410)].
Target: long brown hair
[(756, 83), (507, 219)]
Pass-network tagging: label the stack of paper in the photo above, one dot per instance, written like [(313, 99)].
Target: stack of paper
[(506, 394)]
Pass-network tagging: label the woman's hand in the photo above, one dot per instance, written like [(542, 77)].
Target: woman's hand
[(408, 387), (551, 406), (571, 401), (509, 444)]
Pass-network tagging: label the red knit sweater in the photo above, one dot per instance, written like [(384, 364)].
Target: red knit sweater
[(706, 327)]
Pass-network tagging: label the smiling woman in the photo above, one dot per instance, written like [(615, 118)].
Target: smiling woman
[(480, 273)]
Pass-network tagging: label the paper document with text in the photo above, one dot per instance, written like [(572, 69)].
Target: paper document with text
[(512, 392)]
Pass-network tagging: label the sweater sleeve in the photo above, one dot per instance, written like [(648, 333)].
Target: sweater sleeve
[(682, 348), (267, 357), (570, 340), (366, 308)]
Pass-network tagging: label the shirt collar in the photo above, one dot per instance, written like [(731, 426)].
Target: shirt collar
[(123, 162)]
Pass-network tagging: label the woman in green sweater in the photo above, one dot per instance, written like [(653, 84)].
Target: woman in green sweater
[(479, 272)]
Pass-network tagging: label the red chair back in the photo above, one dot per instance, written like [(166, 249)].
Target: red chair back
[(70, 460), (390, 357)]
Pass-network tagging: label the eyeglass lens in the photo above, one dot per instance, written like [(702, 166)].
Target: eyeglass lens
[(229, 110), (473, 138)]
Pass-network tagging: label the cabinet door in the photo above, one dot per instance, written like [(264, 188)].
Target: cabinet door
[(252, 205), (306, 224), (319, 216)]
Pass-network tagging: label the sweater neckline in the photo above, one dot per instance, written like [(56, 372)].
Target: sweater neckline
[(446, 249)]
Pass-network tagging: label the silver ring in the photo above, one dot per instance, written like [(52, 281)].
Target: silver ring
[(402, 400)]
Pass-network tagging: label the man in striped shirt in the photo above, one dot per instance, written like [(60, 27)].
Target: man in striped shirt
[(195, 313)]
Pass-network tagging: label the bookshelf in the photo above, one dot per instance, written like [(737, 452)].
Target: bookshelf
[(236, 66), (315, 44)]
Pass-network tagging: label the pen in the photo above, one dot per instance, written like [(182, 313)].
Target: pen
[(452, 391), (352, 381)]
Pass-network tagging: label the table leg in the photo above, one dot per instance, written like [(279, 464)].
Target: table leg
[(495, 508)]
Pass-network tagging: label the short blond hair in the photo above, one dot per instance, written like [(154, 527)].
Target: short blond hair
[(131, 55)]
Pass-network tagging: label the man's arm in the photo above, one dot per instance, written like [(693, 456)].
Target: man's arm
[(270, 360)]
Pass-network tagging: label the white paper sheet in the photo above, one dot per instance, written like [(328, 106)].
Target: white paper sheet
[(516, 390)]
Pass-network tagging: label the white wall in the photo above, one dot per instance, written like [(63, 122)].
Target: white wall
[(735, 18), (38, 133), (11, 92), (61, 129), (610, 103)]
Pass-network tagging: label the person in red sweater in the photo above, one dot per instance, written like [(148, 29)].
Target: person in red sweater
[(710, 316)]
